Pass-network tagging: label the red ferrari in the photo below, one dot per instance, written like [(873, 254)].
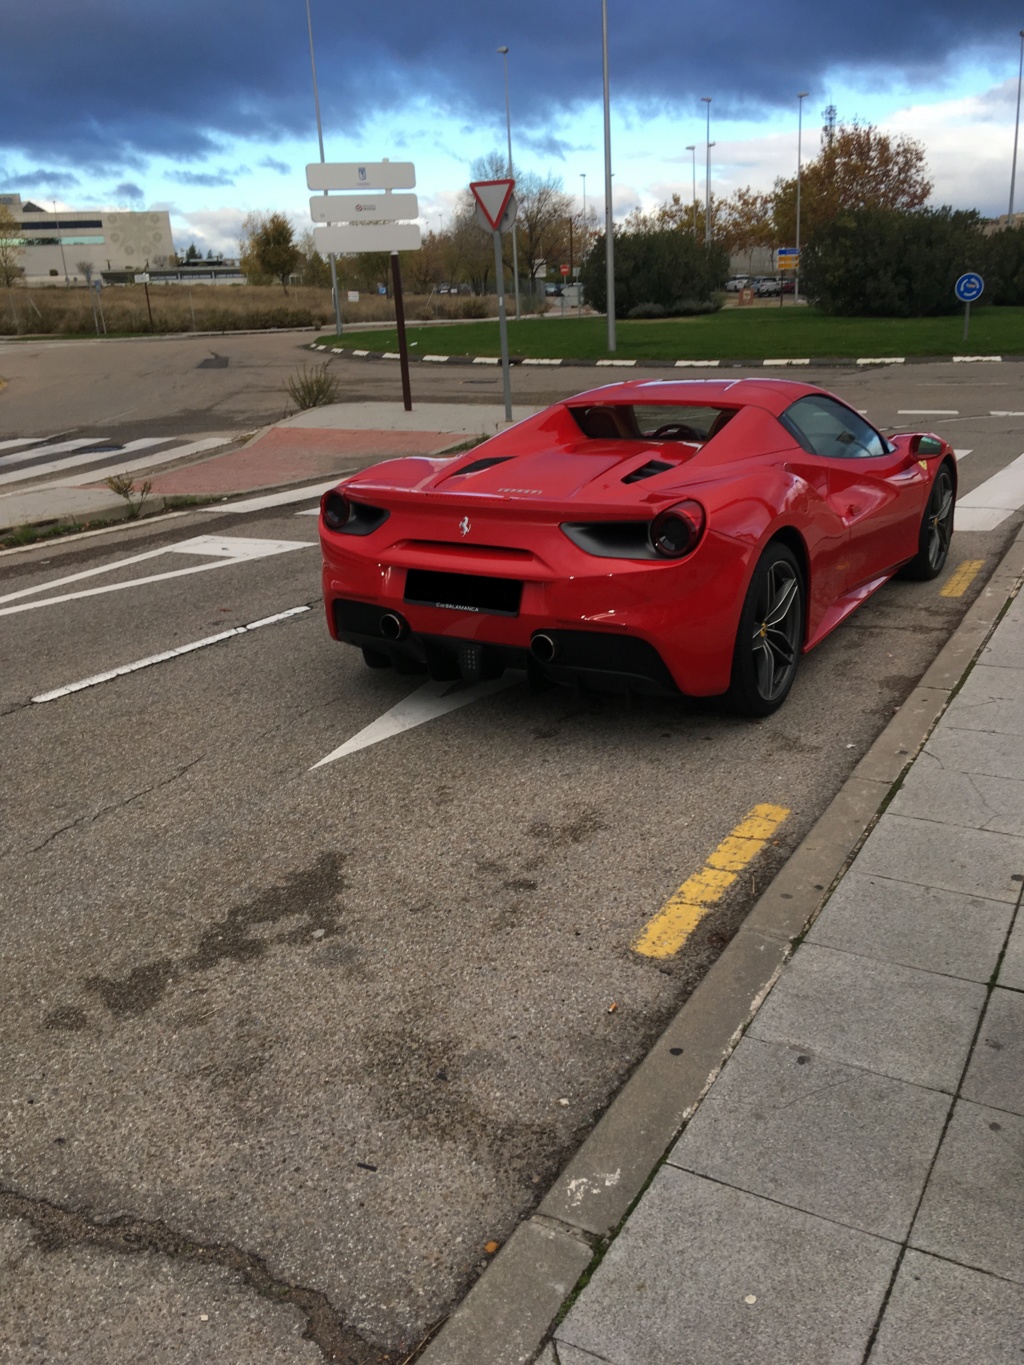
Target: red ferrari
[(664, 537)]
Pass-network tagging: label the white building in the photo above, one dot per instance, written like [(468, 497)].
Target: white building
[(57, 245)]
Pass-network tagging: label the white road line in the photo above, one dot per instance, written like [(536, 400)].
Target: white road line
[(993, 413), (130, 466), (992, 502), (962, 454), (927, 412), (227, 550), (85, 457), (62, 447), (428, 702), (313, 490), (24, 441), (167, 654)]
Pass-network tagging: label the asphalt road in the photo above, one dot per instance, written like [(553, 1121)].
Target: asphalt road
[(287, 1047)]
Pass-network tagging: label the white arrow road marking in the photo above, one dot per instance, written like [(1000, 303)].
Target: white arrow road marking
[(428, 702), (165, 655), (225, 550), (988, 505)]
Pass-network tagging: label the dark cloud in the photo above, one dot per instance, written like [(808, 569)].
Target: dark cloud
[(122, 81), (129, 193), (41, 176), (269, 164)]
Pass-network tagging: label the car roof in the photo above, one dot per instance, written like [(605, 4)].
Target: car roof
[(774, 395)]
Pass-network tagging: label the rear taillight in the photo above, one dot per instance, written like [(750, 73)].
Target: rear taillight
[(677, 531), (335, 509)]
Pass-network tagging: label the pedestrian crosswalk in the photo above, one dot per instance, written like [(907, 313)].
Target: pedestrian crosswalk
[(89, 459)]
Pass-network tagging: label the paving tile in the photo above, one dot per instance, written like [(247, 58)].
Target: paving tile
[(911, 1025), (820, 1136), (675, 1285), (931, 791), (1011, 970), (947, 1313), (996, 1074), (975, 862), (571, 1355), (915, 926), (978, 751), (1006, 648), (990, 699), (973, 1208)]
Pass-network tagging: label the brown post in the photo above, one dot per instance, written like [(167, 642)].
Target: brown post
[(403, 349), (149, 305)]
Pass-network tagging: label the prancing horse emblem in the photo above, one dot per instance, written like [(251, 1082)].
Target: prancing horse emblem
[(464, 526)]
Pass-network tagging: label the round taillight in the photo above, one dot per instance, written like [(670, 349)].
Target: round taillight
[(676, 532), (335, 509)]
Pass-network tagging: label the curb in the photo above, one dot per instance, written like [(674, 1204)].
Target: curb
[(831, 362), (508, 1314)]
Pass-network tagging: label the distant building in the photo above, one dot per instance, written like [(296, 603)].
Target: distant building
[(57, 244), (1005, 220)]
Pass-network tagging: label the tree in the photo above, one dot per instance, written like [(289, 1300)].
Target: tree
[(11, 248), (542, 217), (657, 270), (878, 262), (1003, 266), (193, 254), (313, 269), (857, 168), (745, 223), (267, 250)]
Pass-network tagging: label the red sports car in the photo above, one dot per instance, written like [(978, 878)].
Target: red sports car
[(666, 537)]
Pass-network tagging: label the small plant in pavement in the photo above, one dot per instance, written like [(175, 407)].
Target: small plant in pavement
[(124, 486), (313, 387)]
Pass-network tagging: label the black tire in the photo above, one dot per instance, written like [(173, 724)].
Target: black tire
[(770, 635), (936, 530)]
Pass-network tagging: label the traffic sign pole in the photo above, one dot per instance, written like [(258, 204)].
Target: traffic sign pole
[(502, 326), (968, 288)]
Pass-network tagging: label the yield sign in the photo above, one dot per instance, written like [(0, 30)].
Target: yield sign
[(493, 197)]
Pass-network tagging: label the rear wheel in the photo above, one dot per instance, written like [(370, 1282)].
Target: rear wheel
[(936, 530), (770, 634)]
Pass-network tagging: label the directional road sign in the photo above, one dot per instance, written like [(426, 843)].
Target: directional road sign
[(361, 175), (354, 237), (493, 197), (363, 208), (969, 287)]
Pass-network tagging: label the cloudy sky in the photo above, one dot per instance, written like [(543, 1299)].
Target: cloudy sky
[(207, 109)]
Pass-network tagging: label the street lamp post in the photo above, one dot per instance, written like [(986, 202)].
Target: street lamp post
[(508, 127), (799, 136), (609, 235), (1016, 126), (320, 138), (60, 243), (692, 148), (706, 99)]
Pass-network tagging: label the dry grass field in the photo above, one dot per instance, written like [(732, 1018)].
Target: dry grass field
[(122, 310)]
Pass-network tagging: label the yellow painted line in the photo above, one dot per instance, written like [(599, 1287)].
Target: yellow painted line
[(679, 916), (962, 578)]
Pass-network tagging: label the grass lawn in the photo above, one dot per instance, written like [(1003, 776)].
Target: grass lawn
[(731, 334)]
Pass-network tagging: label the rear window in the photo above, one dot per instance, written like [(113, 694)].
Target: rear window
[(651, 422)]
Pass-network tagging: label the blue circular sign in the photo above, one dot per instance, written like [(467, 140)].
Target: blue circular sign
[(969, 287)]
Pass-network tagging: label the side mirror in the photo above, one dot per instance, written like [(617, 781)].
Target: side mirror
[(926, 445)]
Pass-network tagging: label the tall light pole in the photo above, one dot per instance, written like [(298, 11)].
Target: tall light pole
[(511, 175), (583, 177), (609, 236), (1016, 126), (706, 99), (799, 151), (60, 243), (692, 147), (320, 138)]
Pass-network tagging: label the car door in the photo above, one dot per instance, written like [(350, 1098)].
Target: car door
[(876, 491)]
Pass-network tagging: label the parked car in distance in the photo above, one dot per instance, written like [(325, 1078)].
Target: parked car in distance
[(737, 282), (766, 285), (553, 290), (788, 284)]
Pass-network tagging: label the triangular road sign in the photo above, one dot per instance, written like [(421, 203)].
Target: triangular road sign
[(493, 197)]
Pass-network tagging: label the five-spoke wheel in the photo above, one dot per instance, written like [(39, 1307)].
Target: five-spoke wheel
[(770, 634)]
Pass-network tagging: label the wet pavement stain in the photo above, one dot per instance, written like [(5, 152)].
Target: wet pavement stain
[(308, 897)]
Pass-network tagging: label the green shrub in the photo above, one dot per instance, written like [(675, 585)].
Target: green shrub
[(654, 267)]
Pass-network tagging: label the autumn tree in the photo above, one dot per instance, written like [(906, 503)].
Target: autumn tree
[(267, 250), (857, 168), (745, 223), (313, 269), (11, 248), (542, 218)]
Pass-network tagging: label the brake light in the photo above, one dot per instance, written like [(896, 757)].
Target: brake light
[(677, 531), (335, 509)]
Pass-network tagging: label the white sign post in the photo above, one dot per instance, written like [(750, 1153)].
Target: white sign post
[(368, 221), (496, 209)]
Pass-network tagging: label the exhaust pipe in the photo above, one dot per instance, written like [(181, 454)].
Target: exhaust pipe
[(544, 649), (392, 627)]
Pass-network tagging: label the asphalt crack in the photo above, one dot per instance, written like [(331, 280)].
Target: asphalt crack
[(81, 820), (56, 1229)]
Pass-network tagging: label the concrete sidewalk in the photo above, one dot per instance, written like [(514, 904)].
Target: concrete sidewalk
[(851, 1188), (316, 446)]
